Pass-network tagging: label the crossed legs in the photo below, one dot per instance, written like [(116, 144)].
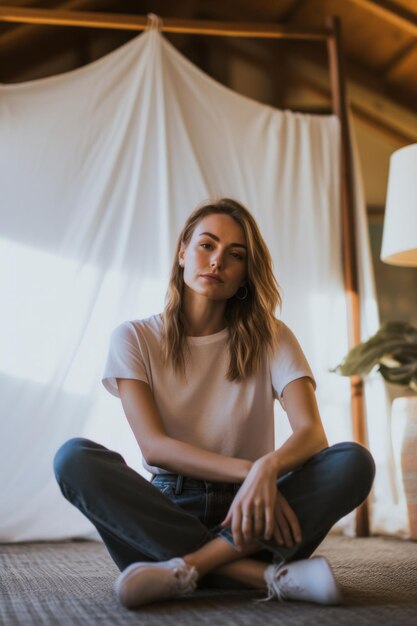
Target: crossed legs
[(138, 523), (219, 557)]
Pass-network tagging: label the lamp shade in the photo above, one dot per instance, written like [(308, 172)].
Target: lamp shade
[(399, 241)]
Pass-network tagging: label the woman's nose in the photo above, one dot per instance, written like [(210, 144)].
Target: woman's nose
[(216, 261)]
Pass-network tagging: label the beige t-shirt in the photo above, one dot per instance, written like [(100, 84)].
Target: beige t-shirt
[(231, 418)]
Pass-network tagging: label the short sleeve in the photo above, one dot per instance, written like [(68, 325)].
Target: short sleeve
[(288, 363), (125, 358)]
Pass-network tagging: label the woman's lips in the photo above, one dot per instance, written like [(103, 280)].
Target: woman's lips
[(211, 279)]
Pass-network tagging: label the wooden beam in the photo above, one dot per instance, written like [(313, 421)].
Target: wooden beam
[(290, 14), (169, 25), (386, 12), (21, 33), (350, 269), (389, 68)]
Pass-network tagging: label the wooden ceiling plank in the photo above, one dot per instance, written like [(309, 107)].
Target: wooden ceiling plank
[(404, 75), (25, 3), (137, 22), (23, 32), (388, 14), (292, 11), (390, 68), (269, 10), (407, 5), (369, 40)]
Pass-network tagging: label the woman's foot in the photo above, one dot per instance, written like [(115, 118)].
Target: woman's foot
[(142, 583), (307, 580)]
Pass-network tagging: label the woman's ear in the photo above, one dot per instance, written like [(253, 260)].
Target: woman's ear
[(181, 258)]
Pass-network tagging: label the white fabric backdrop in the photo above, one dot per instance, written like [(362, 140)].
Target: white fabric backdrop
[(99, 169)]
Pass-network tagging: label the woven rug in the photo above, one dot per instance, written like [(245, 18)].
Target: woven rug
[(71, 583)]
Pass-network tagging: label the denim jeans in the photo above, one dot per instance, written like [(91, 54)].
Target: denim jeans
[(173, 515)]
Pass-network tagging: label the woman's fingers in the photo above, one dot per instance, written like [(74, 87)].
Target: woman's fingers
[(258, 522), (269, 523), (283, 527), (227, 519), (291, 518), (247, 525), (278, 534), (237, 528), (252, 524), (277, 521)]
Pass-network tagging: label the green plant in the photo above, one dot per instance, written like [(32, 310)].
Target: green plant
[(393, 348)]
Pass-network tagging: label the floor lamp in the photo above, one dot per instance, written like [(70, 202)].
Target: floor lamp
[(399, 247), (399, 240)]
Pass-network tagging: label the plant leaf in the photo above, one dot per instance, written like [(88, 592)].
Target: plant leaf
[(394, 342)]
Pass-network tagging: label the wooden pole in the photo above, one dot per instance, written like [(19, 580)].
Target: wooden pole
[(169, 25), (339, 102)]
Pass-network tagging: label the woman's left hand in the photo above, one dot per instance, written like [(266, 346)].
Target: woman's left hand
[(252, 512)]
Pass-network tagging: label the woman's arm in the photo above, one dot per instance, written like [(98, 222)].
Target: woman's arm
[(308, 436), (259, 507), (171, 454)]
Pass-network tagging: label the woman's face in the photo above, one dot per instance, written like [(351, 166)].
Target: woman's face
[(217, 247)]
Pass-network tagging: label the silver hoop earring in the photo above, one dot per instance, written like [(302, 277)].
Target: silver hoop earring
[(245, 296)]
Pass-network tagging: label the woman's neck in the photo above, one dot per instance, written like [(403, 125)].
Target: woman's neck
[(202, 316)]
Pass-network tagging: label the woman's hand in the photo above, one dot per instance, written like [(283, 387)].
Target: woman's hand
[(259, 508), (287, 528)]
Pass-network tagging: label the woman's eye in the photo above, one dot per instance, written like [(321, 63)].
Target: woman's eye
[(207, 246)]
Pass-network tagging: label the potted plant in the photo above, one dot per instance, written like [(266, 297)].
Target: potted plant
[(393, 349)]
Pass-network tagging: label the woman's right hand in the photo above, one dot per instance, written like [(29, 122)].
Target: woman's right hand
[(260, 510)]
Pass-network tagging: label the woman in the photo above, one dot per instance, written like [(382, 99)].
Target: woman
[(197, 385)]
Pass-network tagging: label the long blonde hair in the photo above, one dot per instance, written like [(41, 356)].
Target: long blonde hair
[(252, 325)]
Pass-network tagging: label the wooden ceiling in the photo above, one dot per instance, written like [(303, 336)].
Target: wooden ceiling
[(379, 38)]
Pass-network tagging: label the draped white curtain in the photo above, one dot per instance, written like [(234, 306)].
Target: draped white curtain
[(99, 169)]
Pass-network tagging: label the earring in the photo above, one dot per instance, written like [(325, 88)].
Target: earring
[(242, 297)]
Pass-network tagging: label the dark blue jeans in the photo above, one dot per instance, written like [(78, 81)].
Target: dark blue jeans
[(173, 515)]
